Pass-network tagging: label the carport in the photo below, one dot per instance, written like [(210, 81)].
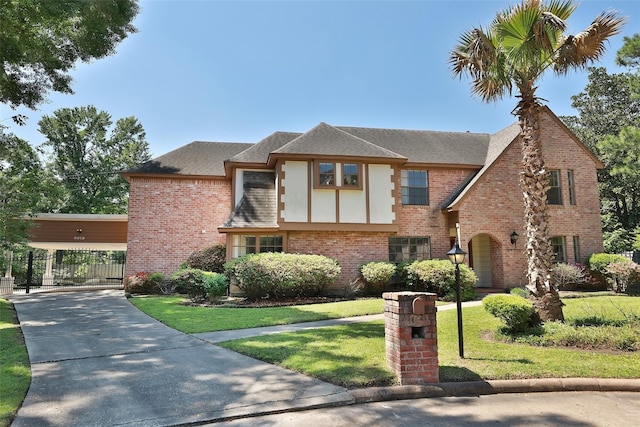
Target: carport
[(74, 232)]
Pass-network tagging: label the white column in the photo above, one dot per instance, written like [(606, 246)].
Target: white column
[(6, 282), (47, 278)]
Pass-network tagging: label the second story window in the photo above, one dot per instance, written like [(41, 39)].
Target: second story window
[(572, 190), (554, 195), (415, 187), (350, 175), (327, 174)]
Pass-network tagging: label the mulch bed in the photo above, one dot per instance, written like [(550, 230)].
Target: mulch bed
[(237, 302)]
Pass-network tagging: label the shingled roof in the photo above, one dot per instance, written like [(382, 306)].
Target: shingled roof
[(259, 153), (428, 147), (326, 140), (197, 158), (413, 146), (497, 145)]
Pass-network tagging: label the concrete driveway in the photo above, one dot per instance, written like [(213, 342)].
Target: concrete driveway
[(98, 361)]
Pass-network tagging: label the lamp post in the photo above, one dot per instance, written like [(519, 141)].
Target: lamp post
[(456, 256)]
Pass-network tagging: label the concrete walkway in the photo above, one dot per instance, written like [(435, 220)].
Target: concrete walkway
[(96, 360), (220, 336)]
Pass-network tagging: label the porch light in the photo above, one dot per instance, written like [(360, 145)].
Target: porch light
[(456, 256), (514, 237)]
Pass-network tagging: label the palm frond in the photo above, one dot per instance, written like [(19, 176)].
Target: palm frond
[(563, 9), (588, 46), (473, 54)]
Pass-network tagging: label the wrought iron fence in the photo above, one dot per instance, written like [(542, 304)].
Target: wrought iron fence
[(39, 270)]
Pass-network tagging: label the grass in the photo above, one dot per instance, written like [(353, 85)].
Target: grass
[(358, 351), (15, 374), (191, 320), (597, 323)]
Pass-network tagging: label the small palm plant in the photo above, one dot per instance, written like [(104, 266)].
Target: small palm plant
[(511, 55)]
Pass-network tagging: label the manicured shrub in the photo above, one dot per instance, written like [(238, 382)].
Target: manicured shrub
[(519, 292), (514, 311), (282, 275), (209, 259), (143, 283), (568, 277), (200, 285), (623, 274), (439, 276), (377, 275)]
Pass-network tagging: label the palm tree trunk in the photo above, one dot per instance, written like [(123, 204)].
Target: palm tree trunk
[(534, 183)]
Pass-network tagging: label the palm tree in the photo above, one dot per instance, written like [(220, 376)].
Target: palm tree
[(522, 43)]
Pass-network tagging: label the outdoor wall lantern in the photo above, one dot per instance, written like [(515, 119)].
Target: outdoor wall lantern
[(456, 256), (514, 237)]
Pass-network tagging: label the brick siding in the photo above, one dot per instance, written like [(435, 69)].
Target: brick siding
[(171, 218)]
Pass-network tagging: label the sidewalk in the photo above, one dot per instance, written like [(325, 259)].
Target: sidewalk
[(98, 361), (216, 337)]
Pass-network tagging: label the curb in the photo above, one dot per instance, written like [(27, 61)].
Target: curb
[(478, 388)]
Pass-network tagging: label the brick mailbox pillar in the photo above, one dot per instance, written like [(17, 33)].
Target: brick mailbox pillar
[(411, 336)]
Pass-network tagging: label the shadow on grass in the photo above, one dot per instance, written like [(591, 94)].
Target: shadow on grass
[(351, 356), (456, 374)]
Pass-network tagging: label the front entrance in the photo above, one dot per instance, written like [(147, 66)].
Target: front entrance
[(484, 260)]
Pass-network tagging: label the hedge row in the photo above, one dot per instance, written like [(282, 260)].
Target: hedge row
[(282, 275)]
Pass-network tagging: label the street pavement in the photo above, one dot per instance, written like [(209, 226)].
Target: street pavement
[(596, 409), (96, 360)]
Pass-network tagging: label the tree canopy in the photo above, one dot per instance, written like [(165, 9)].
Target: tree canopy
[(87, 152), (20, 188), (41, 40), (609, 124)]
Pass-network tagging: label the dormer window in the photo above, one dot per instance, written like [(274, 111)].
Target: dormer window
[(350, 175), (326, 174), (334, 175)]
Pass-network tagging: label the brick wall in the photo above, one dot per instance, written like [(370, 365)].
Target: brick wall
[(350, 248), (171, 218), (495, 205), (431, 220)]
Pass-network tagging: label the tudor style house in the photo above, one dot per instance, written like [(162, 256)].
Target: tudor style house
[(360, 195)]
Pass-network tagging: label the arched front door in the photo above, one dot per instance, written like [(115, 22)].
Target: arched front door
[(480, 259)]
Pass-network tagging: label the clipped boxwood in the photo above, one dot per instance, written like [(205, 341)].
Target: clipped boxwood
[(377, 275), (516, 312), (200, 285), (439, 276), (277, 275)]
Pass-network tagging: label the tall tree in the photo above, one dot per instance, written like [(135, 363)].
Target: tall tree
[(629, 53), (608, 122), (41, 40), (87, 156), (20, 189), (511, 54)]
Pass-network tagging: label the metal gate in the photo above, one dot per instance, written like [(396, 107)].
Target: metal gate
[(40, 270)]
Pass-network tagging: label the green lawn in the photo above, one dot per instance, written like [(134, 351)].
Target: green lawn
[(191, 320), (353, 355), (15, 374)]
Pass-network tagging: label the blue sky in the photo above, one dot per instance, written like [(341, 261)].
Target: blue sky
[(239, 70)]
